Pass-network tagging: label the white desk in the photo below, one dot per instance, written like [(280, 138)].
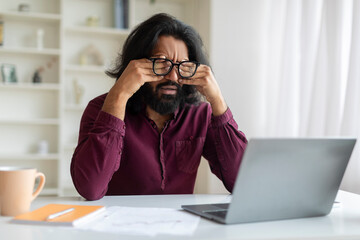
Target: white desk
[(341, 223)]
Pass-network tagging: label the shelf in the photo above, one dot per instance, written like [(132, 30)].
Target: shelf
[(30, 86), (98, 30), (30, 157), (26, 50), (30, 16), (39, 121), (85, 68)]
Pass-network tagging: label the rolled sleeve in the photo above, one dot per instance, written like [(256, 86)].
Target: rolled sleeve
[(111, 122), (218, 121)]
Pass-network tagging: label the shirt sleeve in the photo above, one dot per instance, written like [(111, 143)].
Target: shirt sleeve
[(98, 153), (224, 148)]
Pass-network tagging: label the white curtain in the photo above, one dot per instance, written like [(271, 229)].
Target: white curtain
[(310, 65), (291, 68)]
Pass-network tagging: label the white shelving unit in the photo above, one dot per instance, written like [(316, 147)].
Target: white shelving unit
[(32, 112), (30, 16), (30, 86)]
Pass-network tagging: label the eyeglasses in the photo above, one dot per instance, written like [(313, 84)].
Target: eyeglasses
[(162, 67)]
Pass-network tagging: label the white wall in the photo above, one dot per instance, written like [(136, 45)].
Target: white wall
[(234, 53), (234, 49)]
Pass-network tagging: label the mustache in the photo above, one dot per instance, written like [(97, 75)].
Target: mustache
[(169, 83)]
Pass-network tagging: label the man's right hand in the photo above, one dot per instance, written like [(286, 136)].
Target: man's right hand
[(136, 74)]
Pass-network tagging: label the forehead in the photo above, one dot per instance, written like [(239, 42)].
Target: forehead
[(171, 47)]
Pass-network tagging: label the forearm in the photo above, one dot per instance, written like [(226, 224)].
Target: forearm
[(97, 157), (115, 103), (218, 106), (224, 148)]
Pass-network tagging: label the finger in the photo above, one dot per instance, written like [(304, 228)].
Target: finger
[(203, 68), (149, 75), (192, 81), (196, 77), (187, 68), (147, 71), (142, 63), (162, 67), (199, 75), (153, 78), (187, 71), (201, 71), (162, 70), (144, 60)]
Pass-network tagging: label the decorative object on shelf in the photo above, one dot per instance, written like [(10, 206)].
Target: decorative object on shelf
[(90, 55), (37, 74), (24, 7), (78, 92), (36, 77), (92, 21), (40, 38), (1, 32), (43, 147), (8, 73)]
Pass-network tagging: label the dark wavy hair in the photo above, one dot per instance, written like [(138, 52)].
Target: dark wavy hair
[(141, 42)]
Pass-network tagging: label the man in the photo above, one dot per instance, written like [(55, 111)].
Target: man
[(148, 133)]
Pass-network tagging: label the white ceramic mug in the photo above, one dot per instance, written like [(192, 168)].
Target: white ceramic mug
[(17, 189)]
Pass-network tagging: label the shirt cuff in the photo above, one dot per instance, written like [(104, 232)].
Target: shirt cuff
[(111, 121), (222, 119)]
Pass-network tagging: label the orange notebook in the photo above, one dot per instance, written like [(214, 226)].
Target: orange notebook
[(78, 214)]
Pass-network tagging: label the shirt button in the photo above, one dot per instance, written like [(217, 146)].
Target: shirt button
[(124, 126)]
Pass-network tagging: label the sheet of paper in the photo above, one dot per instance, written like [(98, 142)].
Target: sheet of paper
[(144, 221)]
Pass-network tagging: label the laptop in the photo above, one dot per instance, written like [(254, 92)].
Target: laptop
[(283, 179)]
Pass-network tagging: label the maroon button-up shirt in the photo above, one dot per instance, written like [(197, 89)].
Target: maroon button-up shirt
[(116, 157)]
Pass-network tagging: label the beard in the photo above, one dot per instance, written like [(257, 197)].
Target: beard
[(163, 103)]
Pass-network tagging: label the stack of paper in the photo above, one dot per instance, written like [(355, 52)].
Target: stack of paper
[(144, 221)]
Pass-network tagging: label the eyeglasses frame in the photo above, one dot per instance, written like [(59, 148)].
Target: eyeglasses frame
[(172, 65)]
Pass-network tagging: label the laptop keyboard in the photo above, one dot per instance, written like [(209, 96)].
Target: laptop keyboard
[(221, 205), (221, 213)]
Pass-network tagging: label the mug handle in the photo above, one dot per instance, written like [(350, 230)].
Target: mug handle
[(40, 186)]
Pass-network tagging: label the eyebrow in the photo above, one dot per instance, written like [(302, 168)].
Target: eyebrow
[(162, 55)]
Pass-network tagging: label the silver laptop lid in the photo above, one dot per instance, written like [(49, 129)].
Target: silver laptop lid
[(288, 178)]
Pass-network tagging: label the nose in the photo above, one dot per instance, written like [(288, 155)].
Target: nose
[(173, 75)]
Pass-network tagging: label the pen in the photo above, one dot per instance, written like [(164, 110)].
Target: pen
[(58, 214)]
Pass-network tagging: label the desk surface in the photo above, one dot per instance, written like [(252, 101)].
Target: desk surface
[(342, 223)]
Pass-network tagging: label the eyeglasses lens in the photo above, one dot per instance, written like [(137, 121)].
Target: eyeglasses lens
[(187, 69), (163, 67)]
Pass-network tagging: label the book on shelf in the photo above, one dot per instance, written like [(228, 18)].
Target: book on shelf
[(121, 9), (60, 215), (126, 14)]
